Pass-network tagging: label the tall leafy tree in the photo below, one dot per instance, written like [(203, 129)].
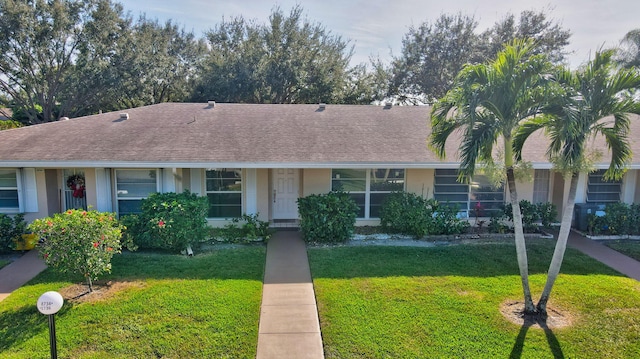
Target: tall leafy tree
[(433, 53), (156, 63), (486, 105), (45, 47), (549, 36), (595, 100), (287, 60), (629, 53)]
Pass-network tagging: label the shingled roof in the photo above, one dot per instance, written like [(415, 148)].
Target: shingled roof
[(246, 135)]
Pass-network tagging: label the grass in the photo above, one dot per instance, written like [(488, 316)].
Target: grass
[(626, 247), (443, 302), (4, 262), (207, 306)]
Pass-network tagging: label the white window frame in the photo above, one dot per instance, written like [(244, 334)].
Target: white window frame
[(242, 187), (17, 188), (137, 198), (367, 192)]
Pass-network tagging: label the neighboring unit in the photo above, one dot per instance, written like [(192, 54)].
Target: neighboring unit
[(252, 158)]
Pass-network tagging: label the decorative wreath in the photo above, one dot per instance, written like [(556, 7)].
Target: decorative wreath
[(76, 184)]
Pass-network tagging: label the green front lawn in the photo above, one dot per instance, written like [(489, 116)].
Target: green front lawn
[(626, 247), (443, 302), (4, 262), (207, 306)]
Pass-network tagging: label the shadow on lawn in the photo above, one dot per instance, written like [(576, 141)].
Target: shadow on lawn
[(18, 326), (554, 344), (474, 260)]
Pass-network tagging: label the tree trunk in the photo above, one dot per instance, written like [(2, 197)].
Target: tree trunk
[(521, 248), (561, 245), (90, 284)]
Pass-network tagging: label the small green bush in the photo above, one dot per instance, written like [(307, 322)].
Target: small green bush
[(408, 213), (10, 230), (79, 242), (616, 218), (529, 215), (169, 221), (546, 213), (634, 219), (495, 222), (327, 218), (251, 230)]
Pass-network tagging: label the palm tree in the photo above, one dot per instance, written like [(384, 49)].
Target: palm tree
[(595, 100), (487, 103)]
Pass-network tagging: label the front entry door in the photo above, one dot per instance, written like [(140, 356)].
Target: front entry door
[(285, 193)]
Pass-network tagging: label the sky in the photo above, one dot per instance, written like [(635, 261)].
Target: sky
[(376, 27)]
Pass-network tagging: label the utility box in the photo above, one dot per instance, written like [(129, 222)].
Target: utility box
[(581, 213)]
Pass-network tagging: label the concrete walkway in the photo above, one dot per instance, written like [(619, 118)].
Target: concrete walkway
[(289, 325), (22, 270), (616, 260)]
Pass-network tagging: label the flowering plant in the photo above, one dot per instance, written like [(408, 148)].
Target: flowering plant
[(80, 242), (77, 185)]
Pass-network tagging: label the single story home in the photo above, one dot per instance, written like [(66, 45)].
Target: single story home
[(260, 158)]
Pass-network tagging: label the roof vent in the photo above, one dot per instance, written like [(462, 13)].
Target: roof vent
[(64, 118), (322, 106), (211, 103), (388, 105), (124, 116)]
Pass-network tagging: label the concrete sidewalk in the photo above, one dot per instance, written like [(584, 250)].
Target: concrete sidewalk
[(289, 325), (22, 270), (616, 260)]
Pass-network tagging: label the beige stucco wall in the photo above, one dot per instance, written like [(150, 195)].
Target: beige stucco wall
[(316, 181), (262, 192), (90, 187), (186, 178), (420, 181), (52, 191), (524, 187)]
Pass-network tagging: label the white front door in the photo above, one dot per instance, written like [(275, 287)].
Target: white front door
[(285, 193)]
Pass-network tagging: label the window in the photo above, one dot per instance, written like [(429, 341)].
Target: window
[(601, 191), (9, 191), (448, 190), (541, 186), (368, 188), (486, 195), (132, 186), (480, 192), (224, 190)]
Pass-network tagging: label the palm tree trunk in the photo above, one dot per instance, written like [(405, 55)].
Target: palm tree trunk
[(561, 245), (521, 248)]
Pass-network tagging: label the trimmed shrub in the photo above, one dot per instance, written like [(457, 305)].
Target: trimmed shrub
[(616, 218), (327, 218), (408, 213), (169, 221), (79, 242), (251, 230), (10, 231), (546, 213), (529, 215), (634, 219)]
